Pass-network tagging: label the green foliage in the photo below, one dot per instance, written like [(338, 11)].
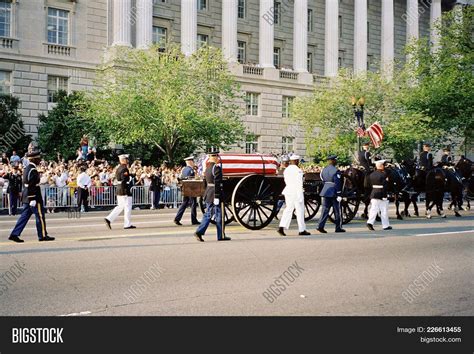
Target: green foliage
[(60, 131), (176, 103), (12, 133)]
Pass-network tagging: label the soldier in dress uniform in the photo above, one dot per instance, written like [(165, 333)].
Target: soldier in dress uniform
[(124, 195), (212, 197), (32, 201), (365, 158), (331, 194), (14, 188), (187, 173), (426, 158), (446, 159), (378, 197)]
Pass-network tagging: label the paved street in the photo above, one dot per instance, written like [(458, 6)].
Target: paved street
[(90, 270)]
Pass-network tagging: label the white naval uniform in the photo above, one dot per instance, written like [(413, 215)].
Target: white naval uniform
[(294, 197), (124, 203)]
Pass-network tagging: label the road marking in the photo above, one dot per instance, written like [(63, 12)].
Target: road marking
[(77, 314), (446, 233)]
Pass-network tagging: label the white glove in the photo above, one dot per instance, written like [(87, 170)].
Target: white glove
[(33, 203), (339, 199), (384, 199), (216, 201)]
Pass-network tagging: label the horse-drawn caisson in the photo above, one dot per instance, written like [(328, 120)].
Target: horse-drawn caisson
[(252, 188)]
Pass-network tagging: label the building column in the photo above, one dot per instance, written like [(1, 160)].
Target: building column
[(412, 19), (388, 39), (300, 36), (331, 38), (435, 15), (122, 11), (188, 26), (229, 30), (266, 34), (360, 36), (144, 9)]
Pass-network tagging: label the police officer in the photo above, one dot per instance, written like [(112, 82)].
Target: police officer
[(32, 201), (14, 188), (365, 158), (378, 197), (446, 159), (212, 197), (124, 195), (331, 194), (426, 158), (187, 173), (294, 197)]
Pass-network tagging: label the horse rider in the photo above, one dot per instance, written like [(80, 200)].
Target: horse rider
[(365, 158), (331, 193), (426, 158), (446, 159)]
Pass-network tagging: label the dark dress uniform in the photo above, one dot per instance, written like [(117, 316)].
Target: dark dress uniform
[(426, 161), (364, 160), (14, 190), (155, 187), (187, 173), (124, 198), (332, 189), (446, 160), (31, 192), (378, 198), (213, 177)]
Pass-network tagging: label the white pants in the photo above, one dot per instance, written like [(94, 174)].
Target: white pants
[(293, 204), (124, 203), (377, 205)]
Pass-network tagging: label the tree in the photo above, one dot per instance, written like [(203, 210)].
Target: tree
[(12, 132), (60, 130), (168, 100), (444, 77)]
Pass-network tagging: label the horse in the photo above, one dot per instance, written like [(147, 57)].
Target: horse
[(415, 185), (438, 181), (465, 168), (358, 176), (398, 186)]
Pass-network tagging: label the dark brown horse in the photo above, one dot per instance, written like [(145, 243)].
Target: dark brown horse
[(438, 181), (465, 168)]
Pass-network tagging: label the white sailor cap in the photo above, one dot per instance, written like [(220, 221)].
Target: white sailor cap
[(294, 157), (189, 158), (379, 162), (123, 156)]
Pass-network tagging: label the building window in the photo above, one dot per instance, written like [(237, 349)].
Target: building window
[(252, 103), (202, 40), (241, 52), (160, 36), (370, 60), (340, 26), (55, 84), (276, 12), (309, 62), (287, 144), (5, 18), (286, 106), (241, 9), (58, 26), (5, 84), (276, 57), (310, 20), (202, 5), (368, 32), (340, 59), (251, 144), (156, 2)]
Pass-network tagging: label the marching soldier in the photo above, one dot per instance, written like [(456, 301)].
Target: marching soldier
[(378, 197), (14, 188), (365, 158), (294, 197), (212, 197), (331, 194), (32, 201), (426, 158), (187, 173), (124, 195), (446, 159)]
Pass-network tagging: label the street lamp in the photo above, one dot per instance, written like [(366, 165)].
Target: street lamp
[(358, 107)]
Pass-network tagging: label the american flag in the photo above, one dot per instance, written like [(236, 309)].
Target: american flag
[(361, 132), (375, 133)]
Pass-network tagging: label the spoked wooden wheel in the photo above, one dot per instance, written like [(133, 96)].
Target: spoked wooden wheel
[(254, 202), (227, 212), (311, 207), (350, 200)]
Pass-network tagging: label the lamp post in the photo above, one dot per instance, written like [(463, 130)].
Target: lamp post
[(358, 108)]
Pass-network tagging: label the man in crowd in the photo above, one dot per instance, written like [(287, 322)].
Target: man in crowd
[(365, 158), (187, 173), (32, 201), (84, 183), (294, 197), (378, 197), (426, 158), (124, 195), (155, 187), (61, 180), (331, 194), (14, 159), (14, 188), (212, 195)]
